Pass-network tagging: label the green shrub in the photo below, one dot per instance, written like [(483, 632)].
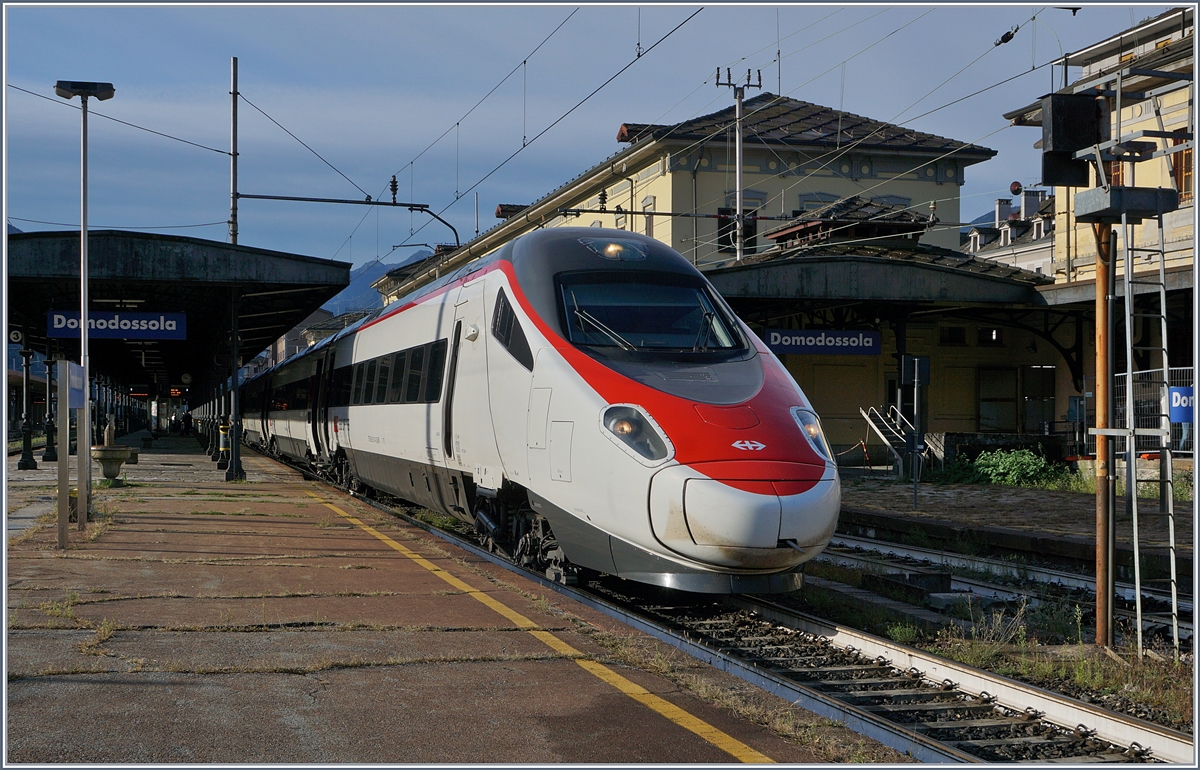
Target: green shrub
[(1018, 468)]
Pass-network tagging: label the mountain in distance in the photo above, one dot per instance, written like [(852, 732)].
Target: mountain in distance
[(988, 217), (359, 295)]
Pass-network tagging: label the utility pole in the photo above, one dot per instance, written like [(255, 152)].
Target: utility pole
[(233, 151), (1104, 450), (739, 92)]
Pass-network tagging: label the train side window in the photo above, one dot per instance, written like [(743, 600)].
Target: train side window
[(369, 382), (437, 365), (382, 387), (345, 384), (396, 393), (416, 367), (358, 383), (508, 332)]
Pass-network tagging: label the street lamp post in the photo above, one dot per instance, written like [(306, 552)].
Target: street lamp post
[(69, 89)]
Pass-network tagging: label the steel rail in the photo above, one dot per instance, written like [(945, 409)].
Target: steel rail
[(1119, 729), (995, 566), (973, 587)]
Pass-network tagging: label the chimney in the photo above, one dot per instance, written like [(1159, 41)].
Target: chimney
[(1031, 200), (1003, 207)]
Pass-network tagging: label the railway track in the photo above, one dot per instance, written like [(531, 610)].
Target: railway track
[(933, 709), (1033, 584)]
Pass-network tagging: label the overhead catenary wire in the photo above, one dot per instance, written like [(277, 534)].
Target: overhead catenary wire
[(564, 116), (242, 96), (411, 165), (93, 114)]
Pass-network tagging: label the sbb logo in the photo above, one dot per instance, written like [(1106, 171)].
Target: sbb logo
[(753, 446)]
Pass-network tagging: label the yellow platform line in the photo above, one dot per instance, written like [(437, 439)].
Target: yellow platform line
[(721, 740)]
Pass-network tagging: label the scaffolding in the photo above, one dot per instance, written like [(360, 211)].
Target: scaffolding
[(1142, 420)]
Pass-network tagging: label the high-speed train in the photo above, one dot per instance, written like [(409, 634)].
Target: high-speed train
[(583, 397)]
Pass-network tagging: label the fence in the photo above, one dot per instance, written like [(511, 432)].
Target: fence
[(1148, 395)]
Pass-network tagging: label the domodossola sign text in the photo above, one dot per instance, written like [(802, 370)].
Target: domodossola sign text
[(828, 342), (119, 324)]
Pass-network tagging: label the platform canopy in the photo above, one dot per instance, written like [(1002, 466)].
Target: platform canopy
[(837, 273), (140, 276)]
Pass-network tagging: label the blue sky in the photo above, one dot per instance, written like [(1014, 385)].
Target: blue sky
[(371, 88)]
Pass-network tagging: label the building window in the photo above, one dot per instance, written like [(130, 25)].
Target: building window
[(648, 209), (1114, 170), (1181, 166), (974, 242), (990, 337), (619, 218), (1039, 228), (1005, 236), (952, 335), (997, 400), (1038, 397), (727, 230)]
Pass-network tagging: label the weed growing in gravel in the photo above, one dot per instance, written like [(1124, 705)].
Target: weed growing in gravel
[(104, 632), (61, 609), (904, 633)]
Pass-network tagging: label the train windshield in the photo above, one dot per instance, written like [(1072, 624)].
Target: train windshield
[(644, 311)]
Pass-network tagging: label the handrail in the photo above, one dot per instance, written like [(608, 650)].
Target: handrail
[(900, 420), (875, 427)]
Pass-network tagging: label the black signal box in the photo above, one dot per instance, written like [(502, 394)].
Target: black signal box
[(1070, 122)]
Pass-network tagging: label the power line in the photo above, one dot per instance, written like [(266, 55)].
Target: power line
[(489, 93), (298, 139), (567, 113), (93, 113)]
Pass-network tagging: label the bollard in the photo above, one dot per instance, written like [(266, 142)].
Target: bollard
[(223, 461)]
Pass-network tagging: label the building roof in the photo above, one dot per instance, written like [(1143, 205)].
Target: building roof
[(773, 119), (864, 272), (916, 254), (1146, 29), (855, 210)]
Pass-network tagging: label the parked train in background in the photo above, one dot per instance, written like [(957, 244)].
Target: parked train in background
[(583, 397)]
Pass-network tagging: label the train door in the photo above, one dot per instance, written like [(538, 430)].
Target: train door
[(468, 437), (316, 403)]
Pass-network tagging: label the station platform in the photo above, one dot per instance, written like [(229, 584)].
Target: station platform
[(278, 621)]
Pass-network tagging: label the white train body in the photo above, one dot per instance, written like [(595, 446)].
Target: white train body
[(586, 399)]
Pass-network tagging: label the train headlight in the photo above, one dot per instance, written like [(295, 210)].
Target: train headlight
[(634, 429), (810, 426)]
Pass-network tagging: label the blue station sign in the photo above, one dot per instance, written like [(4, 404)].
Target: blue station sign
[(1183, 404), (828, 342), (118, 324)]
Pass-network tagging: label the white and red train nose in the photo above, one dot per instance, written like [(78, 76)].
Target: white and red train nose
[(764, 515)]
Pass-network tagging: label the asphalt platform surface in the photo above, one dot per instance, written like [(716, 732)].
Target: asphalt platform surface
[(277, 621)]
